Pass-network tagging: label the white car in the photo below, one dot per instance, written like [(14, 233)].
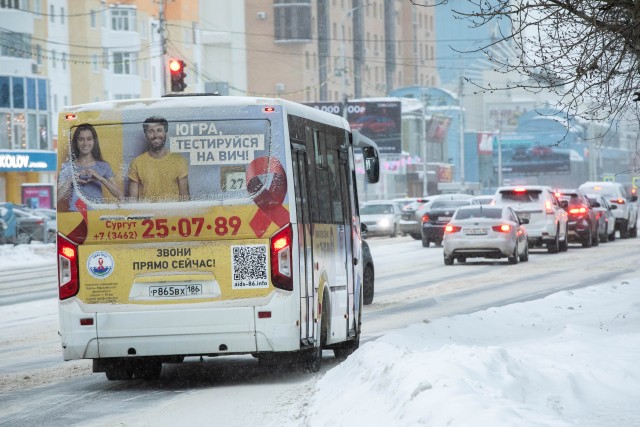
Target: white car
[(382, 218), (485, 231), (538, 204), (627, 209)]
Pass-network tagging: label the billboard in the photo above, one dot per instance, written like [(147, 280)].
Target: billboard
[(522, 155), (379, 120)]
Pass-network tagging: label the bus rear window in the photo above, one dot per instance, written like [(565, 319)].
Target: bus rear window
[(157, 160)]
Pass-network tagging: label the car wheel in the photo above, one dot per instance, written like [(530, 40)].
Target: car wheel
[(394, 233), (368, 284), (426, 242), (612, 236), (525, 255), (513, 259), (448, 260), (624, 230), (633, 231), (416, 236), (595, 239), (563, 245), (554, 247), (588, 239), (438, 242)]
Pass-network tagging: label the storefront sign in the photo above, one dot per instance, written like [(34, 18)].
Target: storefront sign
[(27, 161)]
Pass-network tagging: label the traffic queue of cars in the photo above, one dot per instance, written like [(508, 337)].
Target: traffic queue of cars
[(513, 220)]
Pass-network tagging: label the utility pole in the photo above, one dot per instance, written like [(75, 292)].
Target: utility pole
[(163, 44), (423, 127), (461, 132)]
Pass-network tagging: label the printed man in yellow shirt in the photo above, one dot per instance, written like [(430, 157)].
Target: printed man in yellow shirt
[(158, 174)]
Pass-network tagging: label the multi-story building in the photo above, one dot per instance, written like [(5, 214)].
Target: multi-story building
[(60, 52)]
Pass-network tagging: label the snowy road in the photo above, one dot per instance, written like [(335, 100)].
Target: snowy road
[(412, 285)]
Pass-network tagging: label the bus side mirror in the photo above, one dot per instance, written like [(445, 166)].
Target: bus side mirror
[(371, 164)]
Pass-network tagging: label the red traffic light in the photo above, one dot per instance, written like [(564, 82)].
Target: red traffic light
[(176, 67)]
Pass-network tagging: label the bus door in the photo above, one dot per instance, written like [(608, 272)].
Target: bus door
[(305, 243), (348, 201)]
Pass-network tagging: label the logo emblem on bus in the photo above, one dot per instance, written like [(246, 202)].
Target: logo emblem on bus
[(100, 264)]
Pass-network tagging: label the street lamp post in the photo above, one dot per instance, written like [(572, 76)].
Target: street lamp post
[(343, 59)]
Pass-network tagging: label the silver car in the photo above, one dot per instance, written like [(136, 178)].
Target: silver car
[(485, 231), (381, 218)]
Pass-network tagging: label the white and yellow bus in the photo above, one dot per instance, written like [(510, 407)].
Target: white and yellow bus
[(207, 226)]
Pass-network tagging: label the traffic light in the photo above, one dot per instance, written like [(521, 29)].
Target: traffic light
[(176, 67)]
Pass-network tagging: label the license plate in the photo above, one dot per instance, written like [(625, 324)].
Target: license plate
[(523, 215), (406, 216), (444, 218), (173, 291), (475, 231)]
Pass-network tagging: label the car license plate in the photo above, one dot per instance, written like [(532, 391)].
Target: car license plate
[(164, 291), (475, 231), (406, 216), (444, 218), (523, 215)]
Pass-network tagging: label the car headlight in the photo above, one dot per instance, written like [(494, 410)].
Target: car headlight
[(384, 222)]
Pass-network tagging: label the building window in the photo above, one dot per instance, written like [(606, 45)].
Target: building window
[(53, 59), (38, 54), (63, 60), (105, 59), (37, 8), (124, 63), (15, 45), (292, 20), (94, 63), (62, 15), (94, 21), (123, 19), (52, 14)]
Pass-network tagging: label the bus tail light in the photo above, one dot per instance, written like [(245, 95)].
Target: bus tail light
[(68, 284), (281, 264)]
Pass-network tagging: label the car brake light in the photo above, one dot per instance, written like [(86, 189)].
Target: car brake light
[(502, 228), (577, 211), (425, 218), (519, 190), (452, 228), (548, 207), (281, 265), (68, 284), (619, 201)]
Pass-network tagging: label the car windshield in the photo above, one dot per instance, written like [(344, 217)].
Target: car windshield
[(479, 212), (376, 209), (529, 196)]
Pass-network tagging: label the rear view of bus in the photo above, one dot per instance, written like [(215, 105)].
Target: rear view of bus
[(207, 226)]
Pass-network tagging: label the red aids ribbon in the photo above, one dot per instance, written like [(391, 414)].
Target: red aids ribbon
[(79, 234), (269, 200)]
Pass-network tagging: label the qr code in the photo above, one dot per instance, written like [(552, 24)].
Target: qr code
[(249, 266)]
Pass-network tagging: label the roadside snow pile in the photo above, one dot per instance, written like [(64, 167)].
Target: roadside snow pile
[(568, 359), (27, 255)]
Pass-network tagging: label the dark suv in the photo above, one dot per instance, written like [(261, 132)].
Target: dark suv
[(582, 224), (437, 213)]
